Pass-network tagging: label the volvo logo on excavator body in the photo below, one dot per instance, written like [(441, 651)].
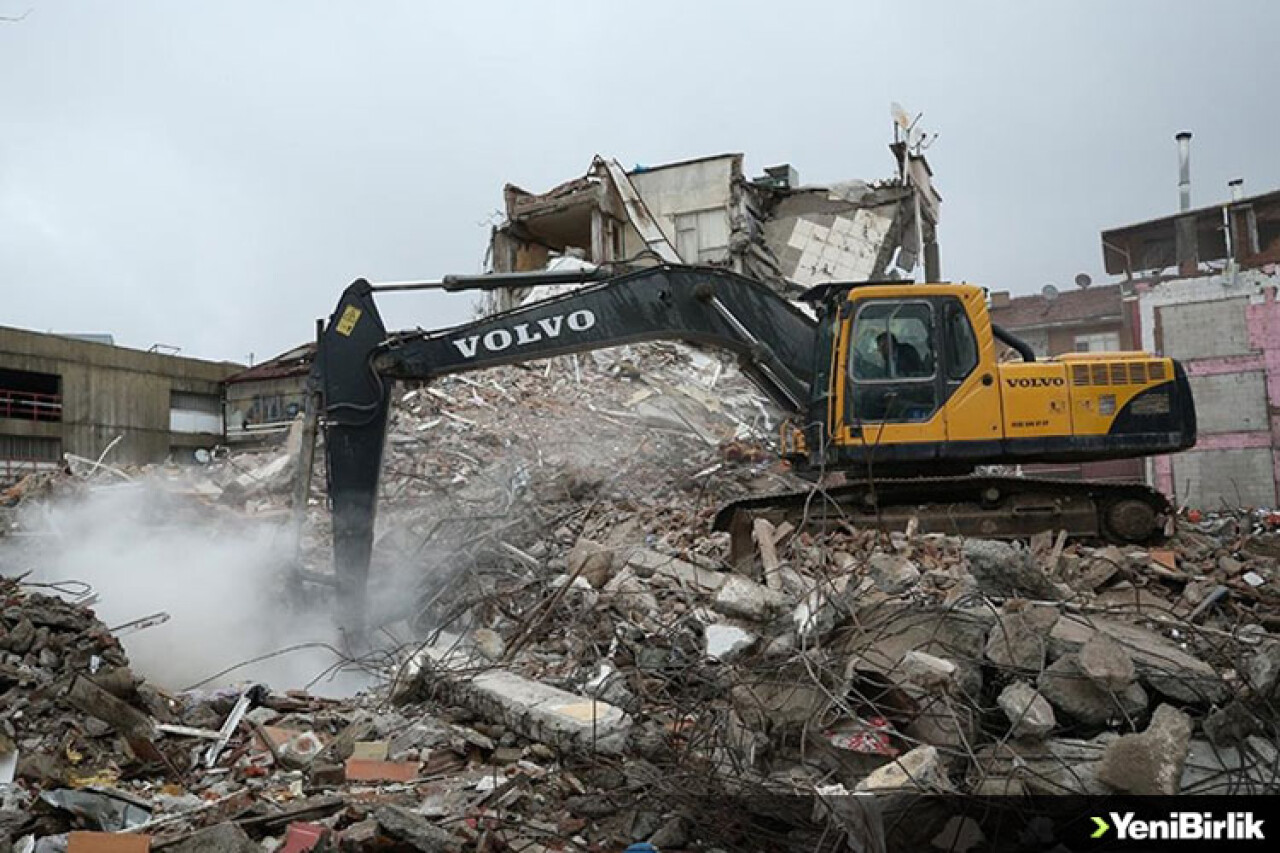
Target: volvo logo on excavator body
[(523, 334), (1035, 381)]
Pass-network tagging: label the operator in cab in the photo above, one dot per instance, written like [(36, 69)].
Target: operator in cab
[(903, 357)]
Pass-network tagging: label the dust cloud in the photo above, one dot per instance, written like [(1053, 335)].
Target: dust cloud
[(146, 548)]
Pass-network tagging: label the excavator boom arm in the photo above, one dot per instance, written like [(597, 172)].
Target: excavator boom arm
[(775, 342)]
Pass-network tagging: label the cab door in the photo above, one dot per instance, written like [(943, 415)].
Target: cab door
[(893, 391), (970, 378)]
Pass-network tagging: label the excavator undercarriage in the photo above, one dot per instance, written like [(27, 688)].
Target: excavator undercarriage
[(991, 507)]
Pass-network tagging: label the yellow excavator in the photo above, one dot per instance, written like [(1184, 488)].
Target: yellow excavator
[(895, 394)]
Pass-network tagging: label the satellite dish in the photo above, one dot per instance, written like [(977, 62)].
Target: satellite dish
[(1049, 292), (900, 117), (1083, 280), (202, 456)]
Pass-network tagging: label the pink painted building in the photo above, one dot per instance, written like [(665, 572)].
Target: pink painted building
[(1218, 314)]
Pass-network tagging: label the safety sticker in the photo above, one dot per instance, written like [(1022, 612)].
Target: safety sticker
[(348, 320)]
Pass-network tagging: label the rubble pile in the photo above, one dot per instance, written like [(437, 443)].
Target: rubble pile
[(576, 665)]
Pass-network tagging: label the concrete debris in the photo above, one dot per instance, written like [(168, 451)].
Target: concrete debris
[(738, 596), (1065, 684), (1150, 762), (725, 642), (219, 838), (1030, 715), (1019, 639), (1262, 669), (592, 561), (606, 644), (927, 671), (1249, 768), (1159, 663), (1002, 568), (1106, 663), (918, 770), (893, 573)]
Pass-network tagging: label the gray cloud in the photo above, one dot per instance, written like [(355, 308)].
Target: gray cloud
[(211, 176)]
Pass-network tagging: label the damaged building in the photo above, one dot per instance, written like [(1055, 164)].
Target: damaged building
[(706, 211), (1205, 282), (62, 394), (261, 402)]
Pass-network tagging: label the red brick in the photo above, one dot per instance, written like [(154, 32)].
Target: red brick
[(107, 842), (367, 770)]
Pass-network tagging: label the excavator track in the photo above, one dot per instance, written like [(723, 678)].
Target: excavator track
[(985, 506)]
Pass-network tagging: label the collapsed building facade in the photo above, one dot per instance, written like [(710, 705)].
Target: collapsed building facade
[(707, 212)]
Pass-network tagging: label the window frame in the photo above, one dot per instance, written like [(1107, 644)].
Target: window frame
[(853, 328), (953, 304)]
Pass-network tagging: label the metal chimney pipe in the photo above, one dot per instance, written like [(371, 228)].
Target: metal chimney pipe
[(1237, 189), (1184, 169)]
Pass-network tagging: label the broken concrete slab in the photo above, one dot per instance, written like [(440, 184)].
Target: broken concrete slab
[(592, 561), (1018, 639), (415, 830), (1030, 714), (647, 563), (918, 770), (884, 630), (536, 710), (724, 642), (1107, 663), (220, 838), (1262, 669), (1051, 766), (943, 720), (488, 643), (927, 671), (1067, 687), (1247, 769), (787, 700), (1152, 761), (747, 599), (1159, 662), (822, 608), (1005, 569), (630, 596)]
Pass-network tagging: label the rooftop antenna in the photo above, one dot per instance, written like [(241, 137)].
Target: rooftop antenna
[(907, 129)]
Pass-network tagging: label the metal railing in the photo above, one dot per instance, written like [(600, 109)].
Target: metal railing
[(29, 406)]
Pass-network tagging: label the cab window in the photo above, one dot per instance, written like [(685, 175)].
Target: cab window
[(960, 342), (893, 340), (892, 361)]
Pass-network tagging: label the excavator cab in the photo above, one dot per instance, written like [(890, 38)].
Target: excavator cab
[(917, 381)]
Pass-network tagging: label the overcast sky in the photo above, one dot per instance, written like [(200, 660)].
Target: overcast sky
[(212, 175)]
